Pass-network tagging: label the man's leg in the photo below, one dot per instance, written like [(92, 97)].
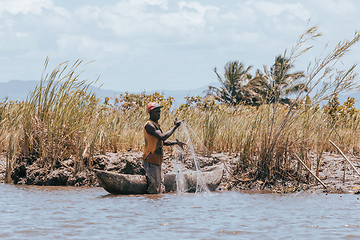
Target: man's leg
[(153, 174)]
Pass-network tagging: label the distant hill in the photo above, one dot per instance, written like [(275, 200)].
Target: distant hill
[(16, 89), (19, 89)]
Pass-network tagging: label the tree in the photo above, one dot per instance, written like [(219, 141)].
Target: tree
[(235, 88), (278, 83)]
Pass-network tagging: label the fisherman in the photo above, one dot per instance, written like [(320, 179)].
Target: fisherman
[(153, 152)]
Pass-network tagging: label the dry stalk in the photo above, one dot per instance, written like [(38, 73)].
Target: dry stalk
[(342, 154), (308, 169)]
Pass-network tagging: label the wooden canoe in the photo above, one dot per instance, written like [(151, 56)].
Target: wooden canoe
[(117, 183), (212, 180)]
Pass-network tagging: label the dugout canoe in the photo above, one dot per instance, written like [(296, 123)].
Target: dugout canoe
[(211, 179), (117, 183)]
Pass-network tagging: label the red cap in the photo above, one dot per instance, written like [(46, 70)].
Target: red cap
[(153, 105)]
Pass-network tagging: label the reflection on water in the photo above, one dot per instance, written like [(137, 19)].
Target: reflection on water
[(31, 212)]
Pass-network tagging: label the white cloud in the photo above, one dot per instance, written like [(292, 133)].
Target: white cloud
[(89, 13), (195, 11), (21, 34), (78, 44), (160, 37), (160, 3), (24, 6), (338, 7), (273, 9), (131, 19), (124, 18), (62, 12)]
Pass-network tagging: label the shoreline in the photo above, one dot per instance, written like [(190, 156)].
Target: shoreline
[(334, 172)]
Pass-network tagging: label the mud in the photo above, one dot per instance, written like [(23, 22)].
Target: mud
[(334, 172)]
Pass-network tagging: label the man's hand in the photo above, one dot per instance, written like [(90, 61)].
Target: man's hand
[(180, 144), (178, 123)]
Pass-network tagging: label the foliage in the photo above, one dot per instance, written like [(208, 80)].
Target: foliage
[(198, 102), (279, 83), (321, 72), (129, 101), (343, 113), (236, 87), (272, 86)]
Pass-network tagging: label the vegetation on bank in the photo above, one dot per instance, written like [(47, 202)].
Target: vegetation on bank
[(252, 116)]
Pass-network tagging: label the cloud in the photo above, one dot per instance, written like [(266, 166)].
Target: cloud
[(273, 9), (161, 25), (24, 6), (337, 7), (160, 3), (193, 13), (165, 39)]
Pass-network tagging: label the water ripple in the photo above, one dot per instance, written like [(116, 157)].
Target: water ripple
[(91, 213)]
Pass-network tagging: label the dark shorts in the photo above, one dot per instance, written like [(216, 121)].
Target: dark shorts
[(153, 174)]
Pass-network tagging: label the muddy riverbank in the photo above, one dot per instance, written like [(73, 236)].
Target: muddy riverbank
[(334, 172)]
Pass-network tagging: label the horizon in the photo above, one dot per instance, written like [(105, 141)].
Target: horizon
[(176, 94)]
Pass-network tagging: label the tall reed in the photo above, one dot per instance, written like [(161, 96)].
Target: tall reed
[(280, 125), (59, 119), (63, 119)]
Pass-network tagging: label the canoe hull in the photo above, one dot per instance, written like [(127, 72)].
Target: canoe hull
[(117, 183), (211, 179)]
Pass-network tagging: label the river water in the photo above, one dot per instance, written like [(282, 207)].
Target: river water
[(34, 212)]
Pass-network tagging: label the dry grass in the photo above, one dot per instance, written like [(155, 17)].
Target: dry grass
[(76, 124), (62, 119)]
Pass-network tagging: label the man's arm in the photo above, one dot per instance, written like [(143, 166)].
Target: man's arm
[(177, 142), (150, 129)]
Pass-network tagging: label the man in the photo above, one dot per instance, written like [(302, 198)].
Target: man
[(154, 141)]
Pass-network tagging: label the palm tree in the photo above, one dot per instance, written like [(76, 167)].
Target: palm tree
[(256, 89), (278, 83), (233, 88)]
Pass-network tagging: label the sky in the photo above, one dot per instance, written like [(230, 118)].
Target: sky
[(146, 45)]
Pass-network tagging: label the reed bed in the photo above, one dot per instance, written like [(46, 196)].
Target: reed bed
[(63, 119), (244, 131)]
